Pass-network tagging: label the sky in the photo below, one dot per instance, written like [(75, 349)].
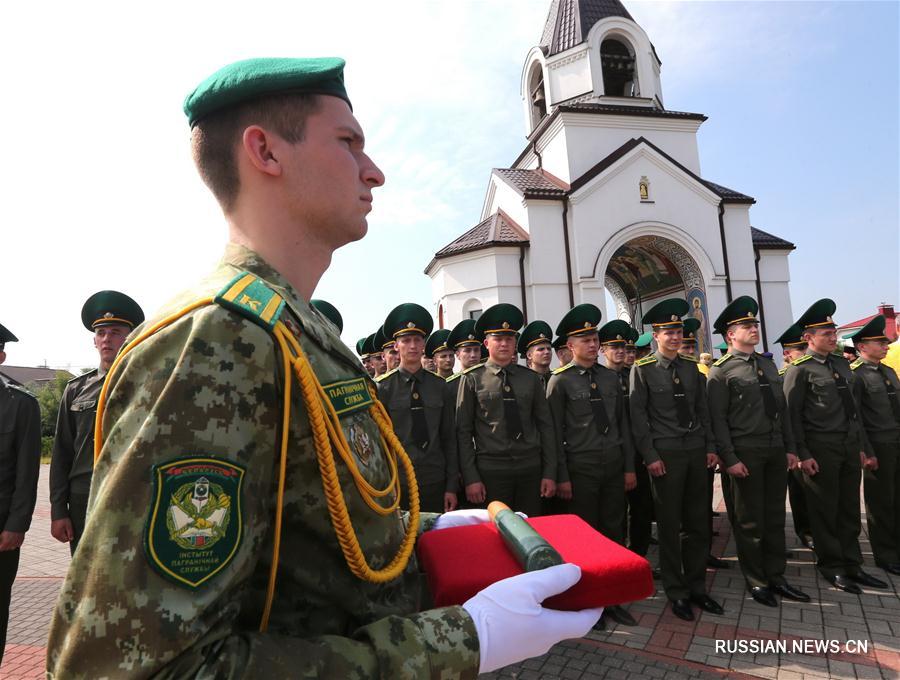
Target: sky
[(99, 191)]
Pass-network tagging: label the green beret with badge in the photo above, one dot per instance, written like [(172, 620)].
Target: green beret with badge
[(819, 315), (252, 79), (407, 319), (533, 334), (6, 335), (644, 340), (500, 319), (437, 342), (330, 312), (691, 326), (110, 307), (617, 332), (632, 338), (667, 314), (741, 310), (580, 320), (463, 334), (873, 330), (380, 341), (792, 337)]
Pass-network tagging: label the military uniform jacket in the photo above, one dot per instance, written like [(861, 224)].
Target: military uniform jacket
[(209, 387), (579, 441), (814, 403), (439, 461), (72, 461), (654, 415), (20, 457), (481, 424), (874, 402), (737, 409)]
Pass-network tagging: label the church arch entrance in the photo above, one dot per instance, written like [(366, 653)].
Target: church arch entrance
[(647, 269)]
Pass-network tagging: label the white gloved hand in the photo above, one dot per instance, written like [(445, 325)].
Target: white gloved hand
[(464, 518), (511, 623)]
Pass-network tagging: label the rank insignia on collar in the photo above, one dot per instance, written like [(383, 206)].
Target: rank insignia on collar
[(195, 524)]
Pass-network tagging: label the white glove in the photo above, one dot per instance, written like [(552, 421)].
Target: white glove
[(464, 518), (511, 623)]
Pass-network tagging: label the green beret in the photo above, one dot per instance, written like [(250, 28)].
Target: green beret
[(581, 319), (667, 314), (691, 326), (500, 319), (406, 319), (534, 334), (643, 340), (437, 342), (632, 338), (381, 342), (722, 347), (874, 330), (250, 79), (792, 337), (560, 342), (110, 307), (742, 309), (462, 334), (6, 336), (615, 332), (330, 312), (818, 315), (361, 347)]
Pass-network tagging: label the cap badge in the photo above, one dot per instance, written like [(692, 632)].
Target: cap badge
[(108, 315), (587, 324), (674, 317), (411, 324), (471, 337), (618, 337), (505, 324)]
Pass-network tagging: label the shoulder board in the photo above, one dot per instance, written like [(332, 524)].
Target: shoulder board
[(83, 375), (564, 368), (688, 357), (453, 377), (472, 368), (856, 364), (381, 377), (646, 360), (722, 359), (433, 373), (19, 388), (782, 370), (252, 298), (805, 357)]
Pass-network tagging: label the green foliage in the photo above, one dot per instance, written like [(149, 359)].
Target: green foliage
[(49, 395)]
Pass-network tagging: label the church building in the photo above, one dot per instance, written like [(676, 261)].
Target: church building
[(607, 197)]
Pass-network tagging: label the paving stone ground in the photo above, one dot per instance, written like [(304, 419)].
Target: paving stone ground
[(748, 641)]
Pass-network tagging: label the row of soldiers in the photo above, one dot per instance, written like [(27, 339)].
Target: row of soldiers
[(642, 435)]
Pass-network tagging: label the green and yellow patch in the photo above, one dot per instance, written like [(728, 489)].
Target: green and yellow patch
[(195, 523), (347, 396)]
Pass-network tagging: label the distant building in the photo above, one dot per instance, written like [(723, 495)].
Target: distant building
[(890, 326), (608, 197), (22, 375)]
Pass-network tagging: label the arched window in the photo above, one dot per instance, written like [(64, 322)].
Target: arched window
[(472, 309), (537, 96), (617, 61)]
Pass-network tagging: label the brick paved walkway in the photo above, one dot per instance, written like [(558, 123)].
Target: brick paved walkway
[(661, 646)]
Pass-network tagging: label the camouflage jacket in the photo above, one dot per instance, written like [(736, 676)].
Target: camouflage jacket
[(170, 577)]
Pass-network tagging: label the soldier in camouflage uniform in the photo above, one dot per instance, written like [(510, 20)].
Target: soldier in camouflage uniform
[(223, 539)]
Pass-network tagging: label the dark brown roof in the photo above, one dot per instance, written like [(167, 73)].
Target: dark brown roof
[(22, 375), (497, 230), (569, 21), (763, 240), (533, 183)]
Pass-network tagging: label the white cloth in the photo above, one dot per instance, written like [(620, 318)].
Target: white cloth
[(464, 518), (511, 623)]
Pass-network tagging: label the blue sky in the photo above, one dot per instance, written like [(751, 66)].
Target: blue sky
[(99, 190)]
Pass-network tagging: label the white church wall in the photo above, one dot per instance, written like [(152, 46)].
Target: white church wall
[(569, 74), (775, 276), (547, 254), (554, 151), (503, 197), (741, 261)]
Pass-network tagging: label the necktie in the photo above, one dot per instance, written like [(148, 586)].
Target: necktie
[(417, 408), (511, 409), (768, 396), (601, 420), (892, 394), (844, 390), (681, 403)]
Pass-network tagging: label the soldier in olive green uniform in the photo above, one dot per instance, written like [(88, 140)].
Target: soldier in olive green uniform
[(563, 353), (507, 445), (110, 316), (20, 464), (793, 347), (831, 445), (535, 347), (753, 436), (243, 507), (670, 422), (643, 346), (878, 394), (589, 414), (467, 349), (436, 348), (366, 351), (420, 411), (385, 346), (631, 348)]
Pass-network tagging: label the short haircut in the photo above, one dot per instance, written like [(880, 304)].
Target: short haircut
[(214, 139)]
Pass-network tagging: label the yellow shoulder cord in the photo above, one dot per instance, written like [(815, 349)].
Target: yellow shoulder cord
[(326, 430)]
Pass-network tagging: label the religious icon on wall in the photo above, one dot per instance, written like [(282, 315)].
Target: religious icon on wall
[(644, 188), (697, 300)]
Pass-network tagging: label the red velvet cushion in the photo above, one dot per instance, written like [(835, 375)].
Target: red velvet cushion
[(463, 560)]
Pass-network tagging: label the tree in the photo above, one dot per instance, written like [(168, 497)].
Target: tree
[(49, 394)]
